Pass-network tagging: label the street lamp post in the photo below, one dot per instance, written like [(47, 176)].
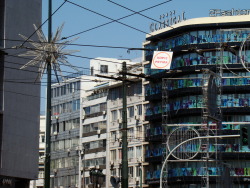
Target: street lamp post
[(96, 177), (48, 106)]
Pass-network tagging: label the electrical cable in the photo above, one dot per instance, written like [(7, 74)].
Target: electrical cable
[(43, 23), (107, 17), (116, 20), (63, 64), (71, 44), (137, 13)]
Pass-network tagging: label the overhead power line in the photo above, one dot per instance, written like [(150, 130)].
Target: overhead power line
[(107, 17), (44, 22), (116, 19), (72, 44), (83, 57)]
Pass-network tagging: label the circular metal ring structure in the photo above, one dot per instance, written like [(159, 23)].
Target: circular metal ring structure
[(188, 150), (244, 48)]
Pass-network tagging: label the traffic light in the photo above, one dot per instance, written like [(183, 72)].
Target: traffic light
[(245, 135)]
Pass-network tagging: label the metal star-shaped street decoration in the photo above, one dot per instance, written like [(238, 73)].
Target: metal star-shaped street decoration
[(45, 52)]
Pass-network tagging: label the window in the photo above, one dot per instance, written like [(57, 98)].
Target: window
[(130, 153), (92, 71), (130, 172), (104, 69), (86, 179), (43, 138), (113, 155), (138, 151), (138, 171), (120, 153), (113, 172), (130, 111), (139, 133), (139, 109), (113, 136), (120, 113), (114, 115), (130, 134)]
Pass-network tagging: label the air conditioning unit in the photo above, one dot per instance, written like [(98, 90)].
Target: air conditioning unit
[(55, 171), (55, 133), (139, 159), (130, 177), (119, 161), (98, 131), (137, 117)]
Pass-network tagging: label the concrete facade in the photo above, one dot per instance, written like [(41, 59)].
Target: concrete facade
[(39, 183), (20, 102)]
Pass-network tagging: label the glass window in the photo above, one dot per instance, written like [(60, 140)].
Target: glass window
[(131, 172), (114, 115), (104, 69), (113, 136), (130, 111), (139, 109), (43, 138), (113, 155), (138, 171), (130, 134), (138, 151), (130, 153)]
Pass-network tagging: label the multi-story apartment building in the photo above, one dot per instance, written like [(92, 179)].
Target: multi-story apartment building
[(135, 129), (94, 120), (65, 131), (179, 101), (94, 133), (19, 101), (77, 111), (39, 183)]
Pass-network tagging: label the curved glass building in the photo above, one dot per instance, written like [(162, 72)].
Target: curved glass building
[(206, 92)]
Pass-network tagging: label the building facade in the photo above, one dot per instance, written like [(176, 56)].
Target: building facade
[(39, 183), (19, 102), (95, 113), (205, 93), (65, 131), (78, 140)]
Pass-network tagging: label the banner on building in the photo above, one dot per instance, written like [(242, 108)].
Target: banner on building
[(161, 60)]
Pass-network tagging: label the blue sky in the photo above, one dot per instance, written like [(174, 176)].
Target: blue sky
[(77, 19)]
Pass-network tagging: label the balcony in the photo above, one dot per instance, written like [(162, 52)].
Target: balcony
[(193, 175), (153, 113), (154, 134), (154, 155)]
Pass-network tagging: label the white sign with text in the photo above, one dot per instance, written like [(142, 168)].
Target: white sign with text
[(161, 60)]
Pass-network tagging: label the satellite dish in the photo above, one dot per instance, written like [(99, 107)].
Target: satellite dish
[(114, 180)]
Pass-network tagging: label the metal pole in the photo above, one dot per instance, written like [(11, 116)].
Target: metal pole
[(48, 106), (141, 176), (124, 131)]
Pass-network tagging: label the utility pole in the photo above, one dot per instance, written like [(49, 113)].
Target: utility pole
[(124, 178), (124, 170), (48, 106)]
